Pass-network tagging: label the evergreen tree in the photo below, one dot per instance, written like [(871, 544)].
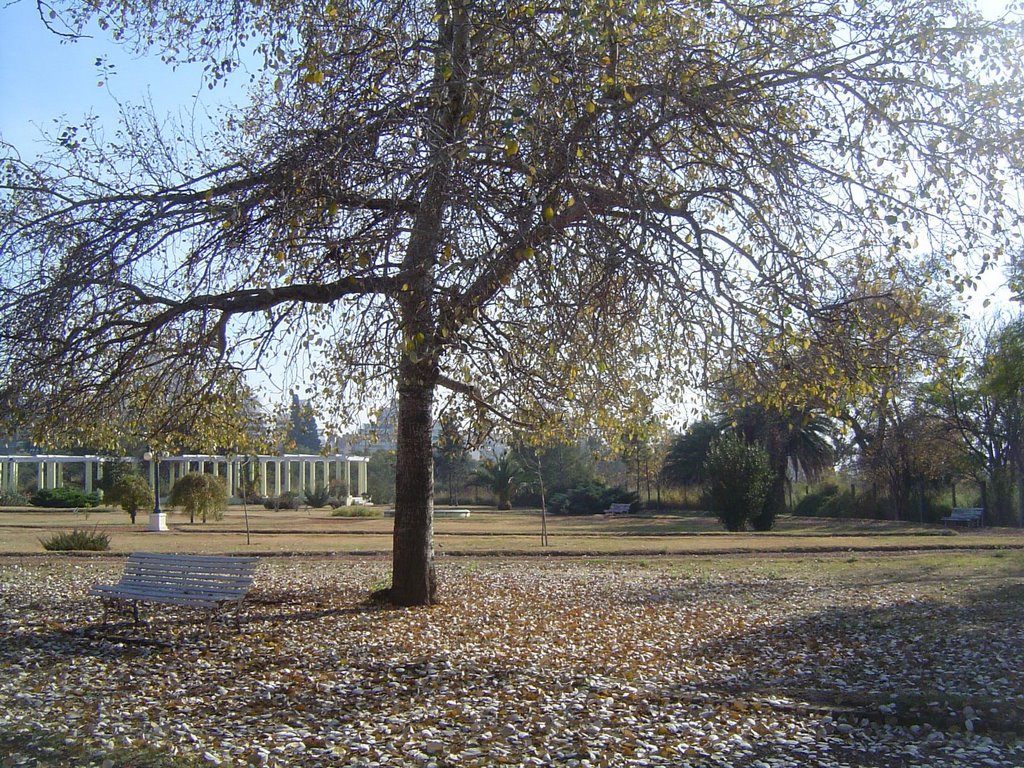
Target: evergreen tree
[(303, 432)]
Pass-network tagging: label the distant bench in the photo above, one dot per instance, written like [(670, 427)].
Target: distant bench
[(619, 509), (198, 581), (971, 516)]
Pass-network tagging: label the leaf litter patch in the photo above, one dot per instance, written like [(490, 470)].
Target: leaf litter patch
[(526, 662)]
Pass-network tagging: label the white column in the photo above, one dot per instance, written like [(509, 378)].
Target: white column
[(348, 482), (277, 477), (229, 476), (58, 474), (88, 464), (326, 465), (363, 486), (216, 467), (287, 475), (263, 477)]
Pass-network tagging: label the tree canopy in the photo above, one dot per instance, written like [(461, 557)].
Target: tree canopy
[(535, 207)]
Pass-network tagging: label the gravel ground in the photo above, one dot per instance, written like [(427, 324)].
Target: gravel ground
[(527, 662)]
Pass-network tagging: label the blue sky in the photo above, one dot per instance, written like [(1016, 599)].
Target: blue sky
[(43, 78)]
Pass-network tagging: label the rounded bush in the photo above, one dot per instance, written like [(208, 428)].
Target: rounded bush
[(133, 493), (64, 498), (200, 494)]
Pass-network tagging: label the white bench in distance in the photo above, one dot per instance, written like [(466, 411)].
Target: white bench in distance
[(201, 581), (971, 516), (619, 509)]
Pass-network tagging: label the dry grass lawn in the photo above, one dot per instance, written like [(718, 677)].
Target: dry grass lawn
[(485, 532)]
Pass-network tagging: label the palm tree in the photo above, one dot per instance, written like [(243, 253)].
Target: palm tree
[(797, 439), (501, 476), (684, 464)]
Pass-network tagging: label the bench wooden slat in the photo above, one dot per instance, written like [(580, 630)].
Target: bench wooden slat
[(155, 592)]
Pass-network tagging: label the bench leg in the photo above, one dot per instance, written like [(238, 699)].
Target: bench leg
[(108, 604)]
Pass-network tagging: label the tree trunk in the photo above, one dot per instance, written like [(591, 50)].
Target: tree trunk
[(413, 580), (543, 504), (1020, 498)]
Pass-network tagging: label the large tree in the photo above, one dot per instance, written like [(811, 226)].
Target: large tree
[(520, 203)]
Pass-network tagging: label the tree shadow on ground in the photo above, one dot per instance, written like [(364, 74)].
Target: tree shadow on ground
[(944, 662)]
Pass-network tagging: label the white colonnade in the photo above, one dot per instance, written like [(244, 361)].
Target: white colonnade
[(50, 469), (273, 475)]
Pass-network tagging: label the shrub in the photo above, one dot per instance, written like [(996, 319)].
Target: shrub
[(133, 493), (739, 477), (358, 512), (317, 497), (287, 500), (199, 493), (77, 540), (251, 494), (821, 503), (64, 498), (828, 501), (9, 498), (589, 499)]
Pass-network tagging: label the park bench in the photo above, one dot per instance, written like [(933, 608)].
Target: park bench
[(971, 516), (197, 581), (619, 509)]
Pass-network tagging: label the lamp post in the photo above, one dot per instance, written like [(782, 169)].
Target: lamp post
[(157, 519)]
